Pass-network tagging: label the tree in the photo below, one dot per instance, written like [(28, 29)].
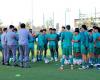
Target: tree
[(49, 23)]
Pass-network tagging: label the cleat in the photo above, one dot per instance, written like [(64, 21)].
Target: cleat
[(33, 60), (51, 59), (56, 59)]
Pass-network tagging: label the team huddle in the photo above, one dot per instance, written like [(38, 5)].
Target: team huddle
[(81, 47)]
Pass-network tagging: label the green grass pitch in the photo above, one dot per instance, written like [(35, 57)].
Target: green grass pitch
[(42, 71)]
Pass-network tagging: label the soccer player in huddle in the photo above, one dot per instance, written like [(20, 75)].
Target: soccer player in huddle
[(11, 38), (76, 47), (66, 39), (84, 40), (31, 46), (40, 46), (52, 38), (62, 31), (45, 45), (24, 37), (17, 47), (57, 40), (91, 48), (4, 47), (96, 40)]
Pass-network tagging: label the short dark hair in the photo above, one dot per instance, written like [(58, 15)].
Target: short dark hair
[(54, 29), (11, 26), (4, 29), (50, 28), (68, 27), (22, 25), (44, 30), (77, 30), (98, 28), (30, 30), (90, 30), (41, 30), (84, 27), (63, 27), (94, 27), (15, 29)]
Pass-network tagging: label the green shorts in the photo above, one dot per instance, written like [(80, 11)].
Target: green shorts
[(40, 47), (97, 51), (52, 47), (67, 51), (45, 46), (91, 50), (31, 46), (84, 50), (76, 49)]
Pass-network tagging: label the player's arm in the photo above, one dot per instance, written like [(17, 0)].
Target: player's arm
[(50, 39), (62, 36), (94, 39)]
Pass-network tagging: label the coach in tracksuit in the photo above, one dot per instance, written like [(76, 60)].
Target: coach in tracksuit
[(24, 36), (11, 44), (4, 47)]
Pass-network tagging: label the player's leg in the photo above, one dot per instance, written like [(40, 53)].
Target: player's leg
[(98, 55), (57, 50), (78, 56), (45, 51), (70, 56), (55, 53), (4, 54), (98, 59), (41, 52), (63, 58), (51, 52), (18, 53), (32, 55), (38, 52), (91, 55), (21, 56), (8, 54), (84, 56), (74, 56), (26, 56), (13, 49)]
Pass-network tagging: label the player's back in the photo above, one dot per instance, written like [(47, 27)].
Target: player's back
[(97, 35), (67, 38), (41, 39), (23, 36), (11, 38), (76, 38)]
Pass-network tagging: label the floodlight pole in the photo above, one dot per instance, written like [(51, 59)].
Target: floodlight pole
[(65, 17), (43, 20), (95, 14), (53, 20), (32, 15)]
